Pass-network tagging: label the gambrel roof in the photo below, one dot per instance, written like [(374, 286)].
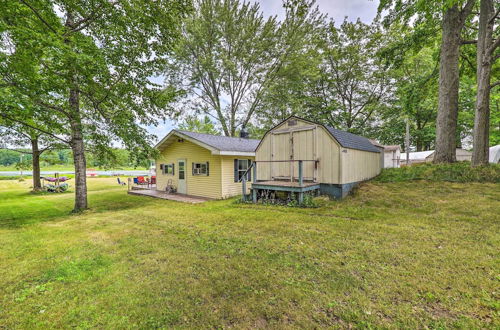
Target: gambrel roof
[(352, 141)]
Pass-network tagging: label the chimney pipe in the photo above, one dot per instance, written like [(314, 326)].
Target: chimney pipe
[(243, 133)]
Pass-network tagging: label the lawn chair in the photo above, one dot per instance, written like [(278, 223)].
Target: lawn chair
[(142, 181), (121, 183)]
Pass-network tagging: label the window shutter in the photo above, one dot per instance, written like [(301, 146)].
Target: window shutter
[(208, 169), (249, 174), (173, 167), (161, 168), (235, 170), (192, 168)]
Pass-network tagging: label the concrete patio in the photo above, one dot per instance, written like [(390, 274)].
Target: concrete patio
[(170, 196)]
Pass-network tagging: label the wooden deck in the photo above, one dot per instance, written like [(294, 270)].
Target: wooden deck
[(173, 197), (286, 183)]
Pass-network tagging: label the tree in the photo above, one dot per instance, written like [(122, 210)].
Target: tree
[(446, 124), (486, 46), (194, 124), (424, 16), (88, 67), (228, 55), (14, 136), (354, 80)]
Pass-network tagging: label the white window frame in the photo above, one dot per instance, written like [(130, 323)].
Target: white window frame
[(199, 171)]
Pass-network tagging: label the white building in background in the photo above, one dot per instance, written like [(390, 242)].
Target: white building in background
[(495, 154), (392, 156), (428, 156)]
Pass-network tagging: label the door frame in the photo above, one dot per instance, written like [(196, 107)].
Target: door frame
[(185, 176)]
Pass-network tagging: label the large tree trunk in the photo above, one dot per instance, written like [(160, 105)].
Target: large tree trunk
[(37, 185), (77, 145), (78, 148), (480, 154), (446, 124)]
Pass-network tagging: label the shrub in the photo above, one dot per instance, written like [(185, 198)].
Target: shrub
[(456, 172)]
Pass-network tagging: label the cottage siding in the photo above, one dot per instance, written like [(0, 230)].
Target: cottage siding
[(197, 185), (359, 165), (229, 187)]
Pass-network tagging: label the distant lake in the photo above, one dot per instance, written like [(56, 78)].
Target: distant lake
[(103, 173)]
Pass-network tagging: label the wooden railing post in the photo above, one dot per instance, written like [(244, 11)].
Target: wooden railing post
[(301, 178), (244, 188), (254, 172)]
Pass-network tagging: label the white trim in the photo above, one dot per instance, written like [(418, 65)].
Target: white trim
[(233, 153), (187, 138)]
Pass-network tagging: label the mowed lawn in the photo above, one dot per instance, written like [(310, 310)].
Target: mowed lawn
[(393, 255)]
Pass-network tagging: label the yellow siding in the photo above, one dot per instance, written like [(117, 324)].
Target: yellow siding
[(359, 165), (229, 187), (205, 186)]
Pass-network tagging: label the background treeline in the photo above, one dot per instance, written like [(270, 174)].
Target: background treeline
[(235, 67), (121, 159)]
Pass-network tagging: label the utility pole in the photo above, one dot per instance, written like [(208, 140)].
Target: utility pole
[(407, 142)]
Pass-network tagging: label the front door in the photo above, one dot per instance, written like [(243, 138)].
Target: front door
[(181, 185)]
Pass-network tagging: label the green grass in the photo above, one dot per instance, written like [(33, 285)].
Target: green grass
[(456, 172), (396, 255)]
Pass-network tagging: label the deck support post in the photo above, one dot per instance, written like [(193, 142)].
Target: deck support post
[(254, 172), (301, 177), (244, 188), (254, 195), (301, 197)]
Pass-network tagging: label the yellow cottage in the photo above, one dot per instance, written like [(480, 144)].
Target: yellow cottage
[(202, 164)]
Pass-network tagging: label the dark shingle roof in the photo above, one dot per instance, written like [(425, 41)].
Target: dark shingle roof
[(224, 143), (353, 141)]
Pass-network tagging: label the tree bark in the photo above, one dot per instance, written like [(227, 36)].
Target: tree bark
[(480, 153), (78, 148), (77, 145), (37, 185), (446, 123)]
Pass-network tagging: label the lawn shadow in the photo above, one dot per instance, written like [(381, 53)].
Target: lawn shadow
[(29, 209)]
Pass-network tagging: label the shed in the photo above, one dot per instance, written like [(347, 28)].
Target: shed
[(391, 155), (495, 154), (299, 155), (203, 165)]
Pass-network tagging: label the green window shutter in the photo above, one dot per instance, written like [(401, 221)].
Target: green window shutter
[(207, 169), (173, 167), (235, 170), (249, 174), (192, 168)]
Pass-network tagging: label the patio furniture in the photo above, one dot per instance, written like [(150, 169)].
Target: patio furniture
[(121, 183)]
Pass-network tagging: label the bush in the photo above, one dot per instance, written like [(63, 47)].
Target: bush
[(456, 172)]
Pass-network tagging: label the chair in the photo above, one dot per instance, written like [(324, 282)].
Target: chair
[(120, 182), (141, 180)]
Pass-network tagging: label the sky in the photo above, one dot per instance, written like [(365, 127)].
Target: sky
[(336, 9)]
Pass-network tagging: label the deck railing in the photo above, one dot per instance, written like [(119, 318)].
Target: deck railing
[(300, 162)]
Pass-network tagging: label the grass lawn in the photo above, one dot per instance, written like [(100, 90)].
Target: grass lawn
[(407, 254)]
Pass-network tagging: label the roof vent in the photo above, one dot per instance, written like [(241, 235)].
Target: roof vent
[(292, 122)]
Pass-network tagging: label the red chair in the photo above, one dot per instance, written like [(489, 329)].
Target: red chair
[(153, 179), (141, 180)]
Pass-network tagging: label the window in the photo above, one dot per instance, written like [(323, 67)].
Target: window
[(200, 168), (169, 169), (240, 167)]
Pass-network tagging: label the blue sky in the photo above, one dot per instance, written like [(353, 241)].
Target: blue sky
[(336, 9)]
